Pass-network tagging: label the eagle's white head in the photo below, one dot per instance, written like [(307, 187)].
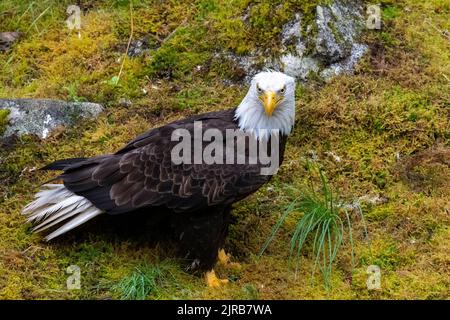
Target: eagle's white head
[(269, 104)]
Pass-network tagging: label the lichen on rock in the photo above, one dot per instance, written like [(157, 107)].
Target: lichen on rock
[(326, 46), (7, 39), (40, 116)]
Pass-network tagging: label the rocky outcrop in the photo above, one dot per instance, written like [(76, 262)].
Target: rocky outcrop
[(39, 116), (7, 39), (327, 46)]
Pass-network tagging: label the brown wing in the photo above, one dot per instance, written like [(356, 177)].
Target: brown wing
[(142, 174)]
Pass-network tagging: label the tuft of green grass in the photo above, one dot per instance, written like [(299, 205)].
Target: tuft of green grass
[(251, 292), (144, 281), (324, 222)]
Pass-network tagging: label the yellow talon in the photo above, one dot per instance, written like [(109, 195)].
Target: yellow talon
[(212, 280), (224, 259)]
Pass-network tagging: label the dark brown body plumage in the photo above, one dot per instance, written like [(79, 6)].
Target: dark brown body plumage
[(141, 176)]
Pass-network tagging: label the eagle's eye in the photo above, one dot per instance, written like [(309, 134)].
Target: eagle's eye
[(259, 89), (283, 90)]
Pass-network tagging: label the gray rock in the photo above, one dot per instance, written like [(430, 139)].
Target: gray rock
[(250, 64), (347, 65), (136, 48), (291, 35), (337, 26), (299, 66), (327, 45), (247, 63), (332, 40), (41, 116), (123, 102), (139, 47), (336, 50), (7, 39)]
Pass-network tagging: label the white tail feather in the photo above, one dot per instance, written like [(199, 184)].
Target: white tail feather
[(75, 222), (55, 204), (59, 217)]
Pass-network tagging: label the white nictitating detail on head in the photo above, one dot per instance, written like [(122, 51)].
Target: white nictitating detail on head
[(251, 113)]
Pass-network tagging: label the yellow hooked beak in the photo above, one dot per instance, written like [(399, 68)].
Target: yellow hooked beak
[(270, 101)]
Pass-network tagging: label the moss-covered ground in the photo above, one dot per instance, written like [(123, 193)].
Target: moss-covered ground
[(382, 137)]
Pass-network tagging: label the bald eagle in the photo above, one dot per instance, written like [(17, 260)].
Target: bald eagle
[(194, 194)]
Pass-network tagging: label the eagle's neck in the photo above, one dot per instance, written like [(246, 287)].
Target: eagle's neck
[(251, 118)]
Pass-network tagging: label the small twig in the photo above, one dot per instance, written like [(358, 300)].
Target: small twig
[(174, 31), (33, 250), (129, 41), (446, 78), (442, 32)]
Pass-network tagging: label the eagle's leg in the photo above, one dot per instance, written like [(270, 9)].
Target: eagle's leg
[(225, 260), (200, 235)]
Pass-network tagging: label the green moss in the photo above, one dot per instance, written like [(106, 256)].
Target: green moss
[(386, 255), (251, 292), (390, 12), (3, 120), (179, 56), (336, 33), (262, 21), (380, 213)]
